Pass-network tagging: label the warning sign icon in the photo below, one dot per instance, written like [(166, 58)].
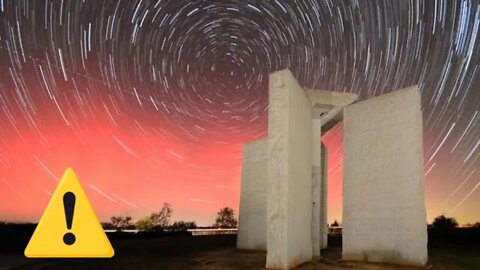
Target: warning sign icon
[(69, 227)]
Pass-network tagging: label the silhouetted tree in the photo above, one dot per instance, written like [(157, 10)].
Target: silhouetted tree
[(183, 225), (476, 225), (122, 222), (226, 218), (116, 221), (161, 219), (335, 224), (144, 224), (443, 222)]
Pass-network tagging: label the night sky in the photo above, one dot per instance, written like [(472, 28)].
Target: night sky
[(150, 101)]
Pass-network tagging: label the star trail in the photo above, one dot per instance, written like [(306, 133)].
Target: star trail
[(150, 101)]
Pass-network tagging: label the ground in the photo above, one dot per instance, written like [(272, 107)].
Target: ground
[(218, 252)]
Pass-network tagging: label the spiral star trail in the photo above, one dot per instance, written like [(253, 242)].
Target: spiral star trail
[(150, 101)]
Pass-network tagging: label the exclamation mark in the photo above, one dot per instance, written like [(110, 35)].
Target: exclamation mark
[(69, 207)]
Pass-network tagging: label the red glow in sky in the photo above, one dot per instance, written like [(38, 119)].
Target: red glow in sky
[(121, 172), (127, 174)]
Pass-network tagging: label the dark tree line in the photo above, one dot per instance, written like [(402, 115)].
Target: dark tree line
[(161, 221)]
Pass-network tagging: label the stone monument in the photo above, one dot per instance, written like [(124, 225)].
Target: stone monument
[(283, 205)]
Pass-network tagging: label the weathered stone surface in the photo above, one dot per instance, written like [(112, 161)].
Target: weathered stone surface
[(289, 203), (331, 98), (329, 105), (384, 216), (317, 191), (252, 221), (324, 198)]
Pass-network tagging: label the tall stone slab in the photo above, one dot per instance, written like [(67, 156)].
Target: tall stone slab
[(317, 192), (289, 196), (324, 198), (252, 222), (384, 217)]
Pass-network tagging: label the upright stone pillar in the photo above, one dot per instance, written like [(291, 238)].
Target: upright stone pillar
[(289, 196), (252, 222), (324, 199), (384, 217), (317, 192)]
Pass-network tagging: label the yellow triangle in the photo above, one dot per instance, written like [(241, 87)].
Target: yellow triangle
[(48, 239)]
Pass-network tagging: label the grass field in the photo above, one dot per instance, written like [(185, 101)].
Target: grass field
[(451, 250)]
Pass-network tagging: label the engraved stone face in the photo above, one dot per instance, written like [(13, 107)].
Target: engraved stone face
[(384, 217), (289, 198), (253, 200)]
